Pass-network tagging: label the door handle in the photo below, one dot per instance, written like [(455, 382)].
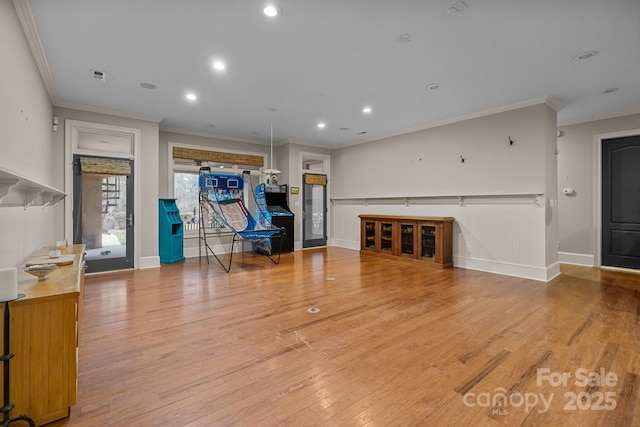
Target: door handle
[(130, 219)]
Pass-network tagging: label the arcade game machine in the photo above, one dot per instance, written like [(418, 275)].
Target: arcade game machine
[(281, 215)]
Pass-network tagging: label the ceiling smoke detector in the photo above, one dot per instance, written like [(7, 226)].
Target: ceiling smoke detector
[(99, 75), (456, 8), (585, 55)]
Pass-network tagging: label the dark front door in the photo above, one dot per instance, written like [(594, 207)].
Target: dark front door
[(103, 211), (621, 202)]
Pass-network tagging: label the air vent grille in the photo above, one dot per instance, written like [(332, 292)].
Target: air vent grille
[(99, 75)]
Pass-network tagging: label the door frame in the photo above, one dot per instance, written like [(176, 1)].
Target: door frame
[(325, 214), (71, 143), (597, 190), (326, 170)]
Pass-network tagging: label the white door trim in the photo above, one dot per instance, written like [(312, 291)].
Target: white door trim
[(326, 170), (72, 128), (597, 188)]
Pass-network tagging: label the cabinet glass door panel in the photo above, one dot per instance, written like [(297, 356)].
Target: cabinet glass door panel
[(370, 235), (428, 242), (407, 239), (386, 237)]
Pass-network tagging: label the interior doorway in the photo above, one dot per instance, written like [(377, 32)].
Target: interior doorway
[(620, 221)]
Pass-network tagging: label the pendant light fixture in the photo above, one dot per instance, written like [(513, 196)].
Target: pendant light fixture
[(271, 172)]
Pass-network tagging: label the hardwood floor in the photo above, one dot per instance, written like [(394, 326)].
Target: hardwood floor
[(392, 344)]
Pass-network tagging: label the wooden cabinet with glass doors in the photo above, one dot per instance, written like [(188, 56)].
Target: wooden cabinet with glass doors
[(424, 240), (378, 236)]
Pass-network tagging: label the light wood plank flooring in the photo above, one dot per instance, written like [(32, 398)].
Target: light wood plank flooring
[(392, 345)]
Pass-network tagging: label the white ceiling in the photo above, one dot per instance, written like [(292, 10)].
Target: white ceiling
[(326, 60)]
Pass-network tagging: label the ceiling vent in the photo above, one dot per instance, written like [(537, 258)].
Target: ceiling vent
[(99, 75)]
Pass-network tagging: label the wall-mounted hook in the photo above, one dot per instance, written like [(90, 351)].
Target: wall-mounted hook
[(510, 141), (461, 159)]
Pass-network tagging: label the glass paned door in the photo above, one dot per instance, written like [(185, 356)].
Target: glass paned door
[(103, 216), (314, 210)]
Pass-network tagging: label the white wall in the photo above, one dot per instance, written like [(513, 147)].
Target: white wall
[(506, 234), (25, 142), (577, 170), (428, 162)]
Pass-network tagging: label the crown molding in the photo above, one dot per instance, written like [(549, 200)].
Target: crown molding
[(596, 117), (309, 144), (214, 136), (554, 103), (109, 112), (546, 100), (28, 22)]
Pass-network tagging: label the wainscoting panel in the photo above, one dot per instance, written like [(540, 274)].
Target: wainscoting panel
[(500, 234)]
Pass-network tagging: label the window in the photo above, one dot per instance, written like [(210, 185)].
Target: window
[(185, 190), (186, 176)]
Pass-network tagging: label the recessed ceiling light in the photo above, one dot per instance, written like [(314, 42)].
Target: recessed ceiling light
[(433, 86), (366, 110), (322, 125), (191, 96), (404, 38), (218, 65), (611, 90), (585, 55), (147, 85), (271, 10)]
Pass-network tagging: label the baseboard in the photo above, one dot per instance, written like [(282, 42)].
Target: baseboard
[(577, 259), (553, 271), (194, 252), (543, 274), (149, 262), (191, 252), (341, 243)]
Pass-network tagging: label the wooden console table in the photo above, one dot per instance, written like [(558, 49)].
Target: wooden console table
[(419, 239), (44, 341)]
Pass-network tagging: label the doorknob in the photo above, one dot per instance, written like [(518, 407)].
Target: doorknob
[(130, 219)]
